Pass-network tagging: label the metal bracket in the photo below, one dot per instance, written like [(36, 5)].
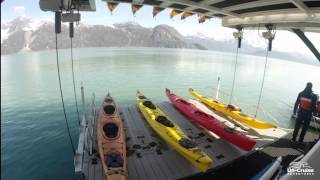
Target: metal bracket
[(70, 17), (269, 35), (238, 35)]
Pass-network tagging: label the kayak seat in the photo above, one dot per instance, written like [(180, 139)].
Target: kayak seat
[(187, 143), (233, 107), (199, 113), (109, 109), (110, 130), (229, 129), (163, 120), (142, 97), (114, 160), (215, 101), (183, 101), (149, 105)]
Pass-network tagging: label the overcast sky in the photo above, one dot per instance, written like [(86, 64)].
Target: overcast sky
[(284, 41)]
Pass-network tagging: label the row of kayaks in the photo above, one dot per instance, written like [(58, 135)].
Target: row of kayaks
[(232, 111), (111, 133)]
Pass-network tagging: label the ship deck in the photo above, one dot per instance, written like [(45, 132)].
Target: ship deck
[(149, 157)]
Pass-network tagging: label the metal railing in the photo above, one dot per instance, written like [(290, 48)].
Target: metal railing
[(91, 124), (86, 135)]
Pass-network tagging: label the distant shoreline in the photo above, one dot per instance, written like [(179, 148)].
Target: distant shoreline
[(134, 47)]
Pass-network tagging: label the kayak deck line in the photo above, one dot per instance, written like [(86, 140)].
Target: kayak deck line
[(148, 156)]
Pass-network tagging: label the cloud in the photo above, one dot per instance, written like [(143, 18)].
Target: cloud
[(19, 10)]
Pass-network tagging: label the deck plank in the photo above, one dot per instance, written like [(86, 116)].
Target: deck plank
[(145, 138), (134, 133), (149, 154), (132, 170), (160, 169), (181, 166)]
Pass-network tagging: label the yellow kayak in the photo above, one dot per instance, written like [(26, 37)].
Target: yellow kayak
[(172, 134), (232, 111)]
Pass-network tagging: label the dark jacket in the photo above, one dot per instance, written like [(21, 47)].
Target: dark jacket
[(306, 94)]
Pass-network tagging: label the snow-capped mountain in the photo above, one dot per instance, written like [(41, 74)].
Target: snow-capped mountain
[(23, 34)]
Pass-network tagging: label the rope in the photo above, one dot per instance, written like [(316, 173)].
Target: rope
[(74, 84), (61, 95), (234, 75), (79, 61), (264, 74)]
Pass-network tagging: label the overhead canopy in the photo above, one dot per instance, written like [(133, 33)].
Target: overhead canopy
[(284, 14), (56, 5), (298, 16)]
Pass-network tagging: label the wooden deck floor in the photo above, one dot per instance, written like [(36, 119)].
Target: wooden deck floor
[(149, 157)]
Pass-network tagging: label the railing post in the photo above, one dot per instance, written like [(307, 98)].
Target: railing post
[(83, 100), (92, 122), (218, 88), (79, 157)]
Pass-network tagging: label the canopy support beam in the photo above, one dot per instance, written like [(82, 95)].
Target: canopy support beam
[(301, 6), (307, 42)]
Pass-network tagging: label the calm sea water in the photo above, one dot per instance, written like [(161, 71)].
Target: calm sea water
[(34, 142)]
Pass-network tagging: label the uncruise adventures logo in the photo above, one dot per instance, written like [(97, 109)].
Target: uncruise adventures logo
[(300, 168)]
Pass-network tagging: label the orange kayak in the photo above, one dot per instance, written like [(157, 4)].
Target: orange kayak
[(111, 141)]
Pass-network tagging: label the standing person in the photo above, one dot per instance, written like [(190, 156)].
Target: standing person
[(307, 105)]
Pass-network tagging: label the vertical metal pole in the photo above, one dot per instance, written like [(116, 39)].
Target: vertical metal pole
[(92, 122), (57, 22), (218, 89), (234, 76), (83, 100), (237, 35)]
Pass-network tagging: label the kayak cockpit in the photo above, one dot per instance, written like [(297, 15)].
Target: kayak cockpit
[(183, 101), (164, 121), (201, 114), (109, 109), (187, 143), (149, 105), (114, 160), (142, 97), (111, 130), (233, 107)]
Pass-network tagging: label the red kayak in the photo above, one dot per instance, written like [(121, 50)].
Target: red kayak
[(211, 123)]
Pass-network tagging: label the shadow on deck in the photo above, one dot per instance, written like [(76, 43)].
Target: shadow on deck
[(248, 166)]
